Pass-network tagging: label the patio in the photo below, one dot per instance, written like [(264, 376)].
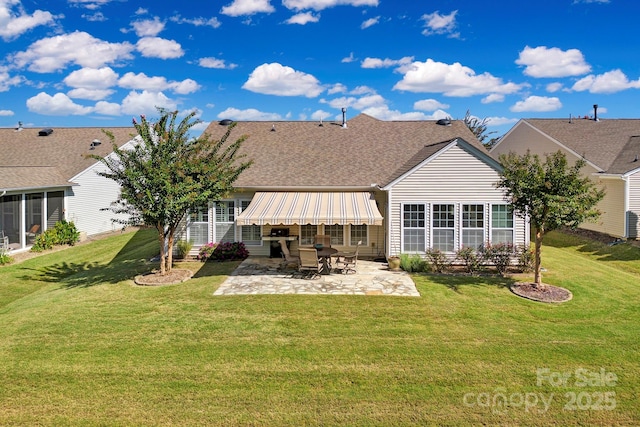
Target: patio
[(260, 275)]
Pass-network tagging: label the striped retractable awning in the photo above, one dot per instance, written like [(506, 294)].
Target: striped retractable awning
[(311, 208)]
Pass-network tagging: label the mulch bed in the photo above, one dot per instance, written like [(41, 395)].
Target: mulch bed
[(544, 293), (177, 275)]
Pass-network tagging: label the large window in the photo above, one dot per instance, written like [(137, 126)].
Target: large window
[(307, 234), (199, 226), (358, 233), (251, 234), (443, 223), (225, 221), (413, 228), (501, 224), (336, 232), (473, 226)]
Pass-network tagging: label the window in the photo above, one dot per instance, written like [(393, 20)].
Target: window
[(251, 235), (199, 226), (336, 232), (307, 234), (357, 233), (225, 221), (443, 217), (473, 226), (413, 228), (501, 224)]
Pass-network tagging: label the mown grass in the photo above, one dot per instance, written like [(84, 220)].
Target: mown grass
[(81, 345)]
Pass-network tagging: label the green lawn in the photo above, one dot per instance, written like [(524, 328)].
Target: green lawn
[(81, 345)]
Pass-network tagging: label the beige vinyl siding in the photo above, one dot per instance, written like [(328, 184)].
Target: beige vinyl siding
[(633, 214), (611, 207), (455, 176)]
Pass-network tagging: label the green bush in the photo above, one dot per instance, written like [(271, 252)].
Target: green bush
[(470, 259), (184, 247), (413, 263), (439, 261), (5, 258), (63, 233), (525, 258), (499, 255)]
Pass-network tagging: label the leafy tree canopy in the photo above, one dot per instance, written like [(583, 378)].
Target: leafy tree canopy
[(167, 173)]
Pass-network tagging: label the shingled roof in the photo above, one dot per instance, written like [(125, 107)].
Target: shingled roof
[(607, 143), (310, 154), (28, 160)]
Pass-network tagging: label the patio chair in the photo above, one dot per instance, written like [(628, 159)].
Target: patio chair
[(33, 231), (347, 262), (309, 262), (4, 242), (287, 258)]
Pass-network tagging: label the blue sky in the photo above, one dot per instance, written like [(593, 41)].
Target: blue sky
[(102, 62)]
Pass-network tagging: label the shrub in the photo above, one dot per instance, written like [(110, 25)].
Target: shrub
[(5, 258), (499, 255), (525, 258), (470, 259), (62, 233), (438, 260), (413, 263), (228, 251), (205, 251), (184, 247)]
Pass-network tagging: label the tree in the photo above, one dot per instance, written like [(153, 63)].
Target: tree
[(550, 194), (167, 173), (479, 129)]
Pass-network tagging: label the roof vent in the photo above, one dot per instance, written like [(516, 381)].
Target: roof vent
[(344, 118), (225, 122), (94, 144), (595, 112), (45, 132), (444, 122)]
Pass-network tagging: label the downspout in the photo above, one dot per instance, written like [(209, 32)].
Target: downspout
[(626, 206)]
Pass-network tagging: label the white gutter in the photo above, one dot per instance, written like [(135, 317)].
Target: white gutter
[(626, 206)]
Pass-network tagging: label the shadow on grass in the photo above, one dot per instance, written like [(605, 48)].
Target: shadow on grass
[(131, 260), (215, 268), (611, 251), (457, 281)]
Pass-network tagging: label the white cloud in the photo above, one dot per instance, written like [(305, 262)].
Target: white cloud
[(141, 81), (92, 78), (319, 115), (90, 4), (6, 113), (14, 24), (435, 23), (146, 102), (107, 108), (156, 47), (211, 62), (359, 103), (500, 121), (429, 105), (6, 81), (247, 7), (275, 79), (609, 82), (384, 113), (451, 80), (554, 87), (537, 104), (56, 105), (590, 1), (55, 53), (148, 27), (95, 17), (363, 90), (198, 22), (337, 88), (91, 94), (348, 59), (386, 63), (303, 18), (370, 23), (494, 97), (324, 4), (250, 114), (542, 61)]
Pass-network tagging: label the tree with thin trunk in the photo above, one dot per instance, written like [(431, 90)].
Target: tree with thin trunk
[(479, 128), (550, 194), (167, 173)]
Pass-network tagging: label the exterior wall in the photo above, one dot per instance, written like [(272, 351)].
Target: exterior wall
[(86, 199), (454, 177), (612, 208), (633, 214)]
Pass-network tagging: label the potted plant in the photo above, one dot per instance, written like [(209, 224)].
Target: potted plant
[(394, 263)]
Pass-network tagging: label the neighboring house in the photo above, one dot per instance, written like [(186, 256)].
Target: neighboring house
[(397, 186), (610, 148), (46, 176)]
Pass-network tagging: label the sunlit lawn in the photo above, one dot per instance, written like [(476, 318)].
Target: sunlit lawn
[(80, 344)]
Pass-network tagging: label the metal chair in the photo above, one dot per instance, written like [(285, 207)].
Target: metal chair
[(309, 263), (33, 232), (4, 242), (322, 239), (287, 258), (347, 262)]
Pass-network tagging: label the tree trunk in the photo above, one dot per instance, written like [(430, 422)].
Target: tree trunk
[(538, 266), (162, 253), (170, 251)]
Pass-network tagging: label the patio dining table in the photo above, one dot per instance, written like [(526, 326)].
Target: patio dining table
[(324, 256)]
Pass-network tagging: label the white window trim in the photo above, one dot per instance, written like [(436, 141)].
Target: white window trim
[(425, 229), (486, 211), (491, 228), (238, 229), (456, 225)]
